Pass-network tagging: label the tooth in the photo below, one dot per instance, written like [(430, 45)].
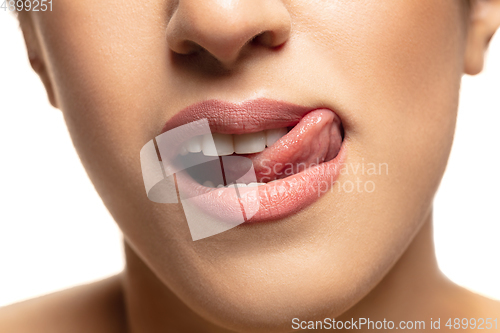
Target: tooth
[(220, 186), (273, 135), (193, 145), (184, 151), (208, 183), (256, 184), (250, 143), (207, 145), (236, 185), (223, 144)]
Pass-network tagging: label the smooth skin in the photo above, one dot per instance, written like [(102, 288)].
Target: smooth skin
[(390, 69)]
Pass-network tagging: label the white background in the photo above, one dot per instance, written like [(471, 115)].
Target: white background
[(56, 233)]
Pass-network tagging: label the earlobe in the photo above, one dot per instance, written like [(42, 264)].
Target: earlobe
[(35, 55), (484, 20)]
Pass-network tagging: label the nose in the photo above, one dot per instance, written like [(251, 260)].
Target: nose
[(224, 28)]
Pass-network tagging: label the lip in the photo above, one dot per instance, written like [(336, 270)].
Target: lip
[(240, 118), (276, 200)]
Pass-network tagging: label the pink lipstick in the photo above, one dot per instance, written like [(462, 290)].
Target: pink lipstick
[(290, 174)]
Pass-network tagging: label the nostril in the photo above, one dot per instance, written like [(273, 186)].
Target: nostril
[(188, 47), (266, 38), (225, 31), (263, 38)]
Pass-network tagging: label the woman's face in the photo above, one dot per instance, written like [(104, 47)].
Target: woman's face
[(389, 69)]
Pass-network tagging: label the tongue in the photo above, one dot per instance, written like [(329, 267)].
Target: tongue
[(315, 139)]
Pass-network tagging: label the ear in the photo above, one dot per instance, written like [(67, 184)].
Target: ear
[(35, 54), (484, 20)]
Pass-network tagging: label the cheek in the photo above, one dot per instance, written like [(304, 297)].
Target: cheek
[(394, 69), (398, 67), (110, 85), (103, 61)]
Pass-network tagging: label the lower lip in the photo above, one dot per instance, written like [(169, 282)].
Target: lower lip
[(276, 200)]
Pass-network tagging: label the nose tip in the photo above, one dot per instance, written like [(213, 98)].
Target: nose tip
[(224, 28)]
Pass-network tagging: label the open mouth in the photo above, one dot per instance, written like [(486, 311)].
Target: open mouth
[(276, 158), (275, 153)]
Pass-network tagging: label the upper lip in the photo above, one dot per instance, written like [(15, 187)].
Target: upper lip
[(239, 118)]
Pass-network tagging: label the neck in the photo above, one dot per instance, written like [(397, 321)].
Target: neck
[(404, 293), (414, 288), (152, 307)]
